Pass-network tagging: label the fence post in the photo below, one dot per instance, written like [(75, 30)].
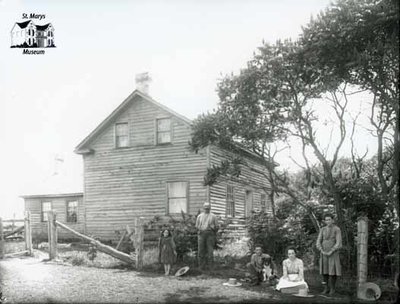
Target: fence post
[(362, 253), (52, 233), (28, 233), (1, 239), (139, 237)]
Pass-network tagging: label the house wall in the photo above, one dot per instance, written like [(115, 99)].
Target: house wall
[(59, 205), (120, 184), (248, 180), (18, 36)]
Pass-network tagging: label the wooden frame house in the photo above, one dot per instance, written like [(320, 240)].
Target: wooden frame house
[(138, 162)]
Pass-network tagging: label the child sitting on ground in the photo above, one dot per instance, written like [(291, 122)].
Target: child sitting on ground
[(261, 267)]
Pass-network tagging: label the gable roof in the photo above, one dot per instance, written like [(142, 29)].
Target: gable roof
[(80, 149), (42, 27), (23, 24)]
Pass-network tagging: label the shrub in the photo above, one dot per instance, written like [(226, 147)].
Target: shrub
[(275, 236), (78, 259), (184, 232)]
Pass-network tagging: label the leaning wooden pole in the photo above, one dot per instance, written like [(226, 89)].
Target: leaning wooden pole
[(1, 239), (362, 253), (7, 234), (99, 246)]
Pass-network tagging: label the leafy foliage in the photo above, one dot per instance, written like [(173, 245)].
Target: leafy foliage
[(184, 232), (276, 236)]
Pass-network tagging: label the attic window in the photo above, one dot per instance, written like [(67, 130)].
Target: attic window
[(121, 135), (163, 131)]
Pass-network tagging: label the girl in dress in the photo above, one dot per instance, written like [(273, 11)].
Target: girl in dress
[(293, 273), (167, 250), (328, 243)]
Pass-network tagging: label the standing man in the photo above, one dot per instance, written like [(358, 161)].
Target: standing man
[(328, 243), (207, 227)]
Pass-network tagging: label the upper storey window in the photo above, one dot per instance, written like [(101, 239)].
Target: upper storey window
[(121, 135), (163, 131)]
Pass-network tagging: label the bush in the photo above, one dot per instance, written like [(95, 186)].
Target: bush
[(78, 259), (275, 236), (184, 232)]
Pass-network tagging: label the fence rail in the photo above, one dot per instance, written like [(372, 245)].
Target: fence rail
[(27, 235), (137, 237)]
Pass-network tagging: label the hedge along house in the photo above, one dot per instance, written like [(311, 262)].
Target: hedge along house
[(138, 162)]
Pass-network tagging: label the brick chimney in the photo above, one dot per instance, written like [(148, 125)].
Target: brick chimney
[(142, 82)]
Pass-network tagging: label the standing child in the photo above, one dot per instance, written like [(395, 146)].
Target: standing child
[(167, 250)]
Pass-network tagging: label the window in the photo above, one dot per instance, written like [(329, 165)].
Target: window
[(177, 193), (46, 207), (163, 130), (121, 135), (230, 201), (263, 202), (72, 212)]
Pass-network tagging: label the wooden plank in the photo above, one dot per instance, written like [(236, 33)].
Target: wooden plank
[(1, 239), (139, 236), (99, 246), (121, 239), (13, 221), (52, 234), (28, 233), (6, 234), (7, 255)]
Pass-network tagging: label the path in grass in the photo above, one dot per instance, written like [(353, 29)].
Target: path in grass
[(26, 280)]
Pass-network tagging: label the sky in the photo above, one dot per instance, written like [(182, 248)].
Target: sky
[(50, 102)]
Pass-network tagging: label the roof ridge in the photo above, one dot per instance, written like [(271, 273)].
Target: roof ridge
[(122, 105)]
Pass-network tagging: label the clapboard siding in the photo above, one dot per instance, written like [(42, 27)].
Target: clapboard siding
[(59, 205), (120, 184), (248, 180)]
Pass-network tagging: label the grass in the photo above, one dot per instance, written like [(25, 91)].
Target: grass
[(102, 260), (14, 246), (230, 261)]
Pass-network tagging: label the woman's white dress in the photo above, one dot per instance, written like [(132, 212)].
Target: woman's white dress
[(292, 270)]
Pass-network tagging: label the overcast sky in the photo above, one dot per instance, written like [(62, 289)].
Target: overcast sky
[(49, 103)]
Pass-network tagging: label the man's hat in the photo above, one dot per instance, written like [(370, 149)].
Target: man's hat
[(303, 292), (182, 271), (369, 292), (207, 205), (232, 282)]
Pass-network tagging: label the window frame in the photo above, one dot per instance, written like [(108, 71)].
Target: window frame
[(117, 136), (66, 210), (157, 131), (167, 195), (42, 212), (230, 206), (263, 202)]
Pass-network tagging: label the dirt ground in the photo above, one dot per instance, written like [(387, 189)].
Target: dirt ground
[(27, 280)]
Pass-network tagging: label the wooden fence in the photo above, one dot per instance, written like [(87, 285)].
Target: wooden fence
[(15, 230), (136, 236)]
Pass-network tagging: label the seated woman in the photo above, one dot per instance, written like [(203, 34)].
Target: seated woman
[(293, 274)]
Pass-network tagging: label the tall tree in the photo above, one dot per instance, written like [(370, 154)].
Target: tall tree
[(358, 42), (267, 101)]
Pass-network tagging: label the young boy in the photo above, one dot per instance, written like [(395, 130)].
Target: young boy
[(258, 262)]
